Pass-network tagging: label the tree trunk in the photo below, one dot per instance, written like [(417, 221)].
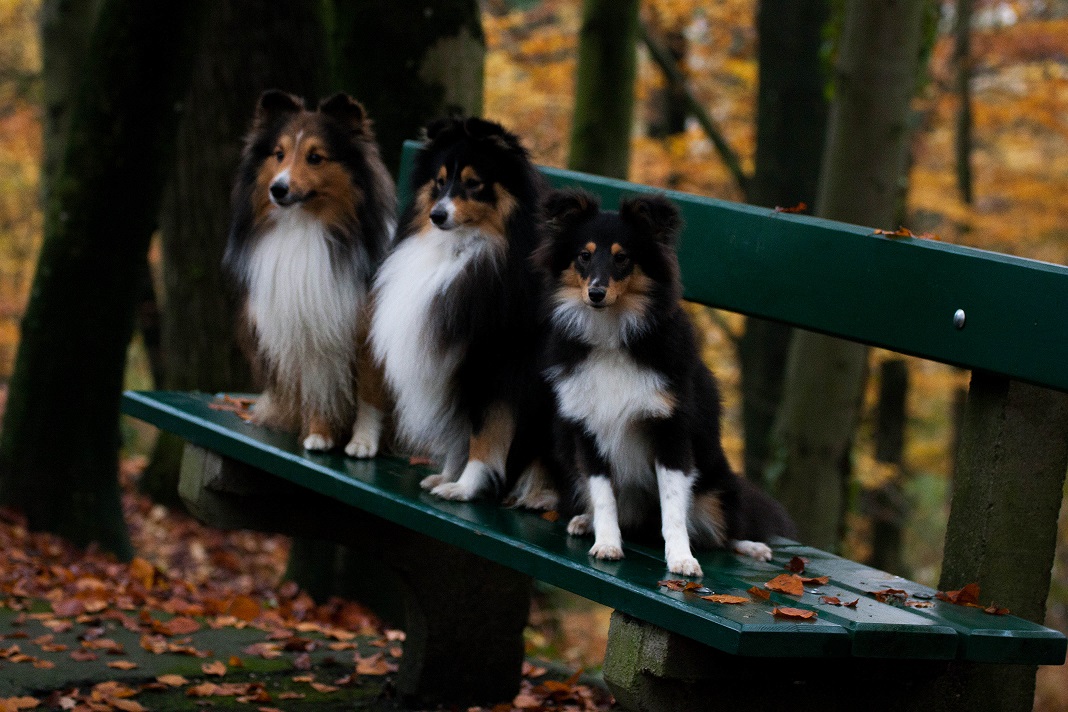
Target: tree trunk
[(59, 447), (247, 47), (860, 182), (604, 88), (408, 63), (791, 125), (962, 32)]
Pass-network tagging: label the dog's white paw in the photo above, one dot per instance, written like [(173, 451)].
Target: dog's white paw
[(685, 566), (544, 500), (318, 443), (362, 445), (609, 552), (455, 491), (431, 481), (580, 525), (755, 549)]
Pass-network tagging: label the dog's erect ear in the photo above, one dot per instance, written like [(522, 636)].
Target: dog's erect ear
[(568, 206), (439, 126), (654, 215), (274, 103), (343, 108)]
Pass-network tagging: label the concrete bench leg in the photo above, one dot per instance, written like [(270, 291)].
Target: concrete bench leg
[(649, 669), (463, 615)]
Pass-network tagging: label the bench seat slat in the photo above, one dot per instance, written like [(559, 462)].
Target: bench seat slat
[(388, 487)]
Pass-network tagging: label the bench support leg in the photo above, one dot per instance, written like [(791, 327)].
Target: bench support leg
[(463, 615), (649, 669), (1002, 531)]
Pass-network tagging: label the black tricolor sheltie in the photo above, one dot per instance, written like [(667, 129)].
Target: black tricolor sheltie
[(638, 413), (454, 322), (313, 214)]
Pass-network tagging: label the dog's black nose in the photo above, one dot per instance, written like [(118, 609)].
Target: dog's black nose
[(279, 190), (597, 294), (439, 215)]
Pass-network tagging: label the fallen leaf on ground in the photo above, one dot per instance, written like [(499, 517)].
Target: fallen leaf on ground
[(323, 687), (172, 680), (18, 703), (122, 664), (218, 667), (374, 665), (786, 583)]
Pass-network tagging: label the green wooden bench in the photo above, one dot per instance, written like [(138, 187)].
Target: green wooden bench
[(458, 575)]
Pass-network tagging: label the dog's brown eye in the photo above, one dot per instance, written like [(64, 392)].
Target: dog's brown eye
[(315, 158), (620, 259), (584, 257), (279, 154), (472, 185), (440, 182)]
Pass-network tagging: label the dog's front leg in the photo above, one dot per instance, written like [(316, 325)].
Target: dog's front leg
[(487, 455), (676, 495), (607, 539)]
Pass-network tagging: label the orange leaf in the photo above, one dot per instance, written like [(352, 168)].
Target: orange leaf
[(830, 600), (852, 604), (965, 596), (122, 664), (214, 668), (725, 598), (180, 625), (18, 703), (786, 583), (244, 608), (550, 516), (322, 687), (793, 613), (127, 705), (995, 611), (143, 571), (799, 208), (758, 594), (816, 580), (172, 680), (890, 595), (673, 584)]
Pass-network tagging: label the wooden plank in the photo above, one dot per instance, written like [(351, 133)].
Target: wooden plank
[(895, 293), (530, 544)]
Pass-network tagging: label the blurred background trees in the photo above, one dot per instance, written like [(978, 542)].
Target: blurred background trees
[(729, 99)]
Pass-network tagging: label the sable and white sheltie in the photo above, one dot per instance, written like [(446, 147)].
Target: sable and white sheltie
[(638, 413), (314, 211), (454, 322)]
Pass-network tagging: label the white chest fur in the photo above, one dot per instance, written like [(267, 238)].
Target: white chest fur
[(304, 311), (419, 372), (611, 396)]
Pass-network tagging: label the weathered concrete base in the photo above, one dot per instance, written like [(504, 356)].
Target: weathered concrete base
[(463, 615), (649, 669)]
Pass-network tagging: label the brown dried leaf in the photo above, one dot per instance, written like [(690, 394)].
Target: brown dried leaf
[(374, 665), (673, 584), (758, 594), (551, 516), (816, 580), (122, 664), (995, 611), (323, 687), (796, 565), (172, 680), (965, 596), (830, 600), (217, 667), (799, 208), (726, 598), (18, 703), (786, 583), (890, 595), (793, 613)]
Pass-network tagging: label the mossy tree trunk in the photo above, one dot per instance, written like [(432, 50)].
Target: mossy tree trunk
[(860, 182), (409, 63), (246, 47), (791, 124), (604, 88), (59, 447)]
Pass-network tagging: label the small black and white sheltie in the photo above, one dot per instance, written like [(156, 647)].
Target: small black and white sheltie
[(638, 413), (313, 214), (455, 316)]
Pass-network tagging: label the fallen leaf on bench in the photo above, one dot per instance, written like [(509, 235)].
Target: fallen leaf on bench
[(969, 595), (995, 611), (905, 232), (550, 516), (786, 583), (759, 593), (122, 664), (726, 598), (816, 580), (18, 703), (244, 608), (673, 584), (172, 680), (180, 625), (796, 565), (323, 687), (374, 665), (830, 600), (890, 595), (793, 613), (799, 208)]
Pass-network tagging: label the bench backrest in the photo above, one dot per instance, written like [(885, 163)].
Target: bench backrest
[(898, 293)]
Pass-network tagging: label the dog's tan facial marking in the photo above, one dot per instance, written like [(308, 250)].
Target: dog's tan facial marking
[(424, 203)]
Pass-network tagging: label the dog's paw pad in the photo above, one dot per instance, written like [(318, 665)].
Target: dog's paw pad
[(579, 525), (361, 446), (431, 481), (685, 566), (317, 443), (755, 549), (454, 491), (608, 552)]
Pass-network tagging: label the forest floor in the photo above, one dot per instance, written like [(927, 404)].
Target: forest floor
[(200, 618)]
